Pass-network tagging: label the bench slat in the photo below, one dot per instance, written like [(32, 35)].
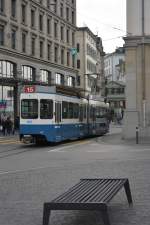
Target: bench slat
[(71, 193), (108, 191), (99, 187), (101, 190)]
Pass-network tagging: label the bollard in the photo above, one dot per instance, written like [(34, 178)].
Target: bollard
[(137, 135)]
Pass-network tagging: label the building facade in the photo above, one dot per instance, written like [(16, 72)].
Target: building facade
[(116, 95), (114, 65), (36, 39), (114, 69), (137, 44), (89, 61)]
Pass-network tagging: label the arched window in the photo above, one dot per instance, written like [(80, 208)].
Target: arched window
[(7, 69), (59, 79), (70, 81), (28, 73), (45, 76)]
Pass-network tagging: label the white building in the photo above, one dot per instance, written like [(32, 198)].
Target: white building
[(114, 65), (89, 61)]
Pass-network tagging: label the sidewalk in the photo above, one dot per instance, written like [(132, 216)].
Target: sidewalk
[(9, 136)]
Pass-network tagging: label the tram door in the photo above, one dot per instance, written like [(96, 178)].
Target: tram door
[(58, 120)]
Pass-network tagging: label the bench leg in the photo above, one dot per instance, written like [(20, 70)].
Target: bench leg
[(105, 217), (128, 192), (46, 214)]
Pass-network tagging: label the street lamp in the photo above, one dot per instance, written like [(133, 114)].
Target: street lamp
[(93, 75)]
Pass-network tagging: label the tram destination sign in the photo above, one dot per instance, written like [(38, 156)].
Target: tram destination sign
[(29, 89), (38, 89)]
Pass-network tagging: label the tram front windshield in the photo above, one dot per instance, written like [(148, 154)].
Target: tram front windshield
[(29, 108)]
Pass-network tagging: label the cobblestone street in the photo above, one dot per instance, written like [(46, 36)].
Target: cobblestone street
[(39, 174)]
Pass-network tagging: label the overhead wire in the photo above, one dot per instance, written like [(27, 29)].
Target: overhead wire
[(108, 25)]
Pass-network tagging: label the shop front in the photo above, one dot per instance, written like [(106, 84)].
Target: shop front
[(8, 89)]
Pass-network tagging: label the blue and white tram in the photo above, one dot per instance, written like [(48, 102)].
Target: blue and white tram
[(47, 115)]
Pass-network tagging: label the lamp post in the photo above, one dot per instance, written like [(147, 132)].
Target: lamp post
[(88, 98), (91, 74)]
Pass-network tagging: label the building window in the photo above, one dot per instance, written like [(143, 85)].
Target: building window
[(73, 61), (67, 14), (13, 8), (61, 10), (55, 6), (7, 69), (73, 38), (32, 18), (23, 10), (32, 46), (56, 54), (78, 80), (72, 17), (49, 51), (62, 56), (55, 29), (48, 26), (78, 47), (10, 93), (41, 49), (1, 35), (13, 39), (78, 64), (1, 6), (59, 79), (67, 35), (48, 4), (70, 81), (45, 76), (28, 73), (41, 22), (23, 42), (68, 58), (62, 33)]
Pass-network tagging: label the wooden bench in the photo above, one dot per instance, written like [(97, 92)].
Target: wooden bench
[(88, 194)]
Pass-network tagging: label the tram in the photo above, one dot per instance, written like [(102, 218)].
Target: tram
[(46, 115)]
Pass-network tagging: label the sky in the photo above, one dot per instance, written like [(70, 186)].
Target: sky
[(107, 18)]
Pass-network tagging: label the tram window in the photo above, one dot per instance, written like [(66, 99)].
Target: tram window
[(46, 109), (29, 108), (85, 111), (75, 111), (98, 110), (64, 110), (91, 112), (81, 113), (70, 110)]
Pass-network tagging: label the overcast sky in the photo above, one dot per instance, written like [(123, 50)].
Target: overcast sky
[(104, 17)]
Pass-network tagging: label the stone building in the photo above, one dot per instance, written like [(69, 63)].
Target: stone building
[(89, 61), (137, 44), (36, 38)]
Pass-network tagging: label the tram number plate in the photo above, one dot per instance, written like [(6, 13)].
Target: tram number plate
[(29, 89)]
